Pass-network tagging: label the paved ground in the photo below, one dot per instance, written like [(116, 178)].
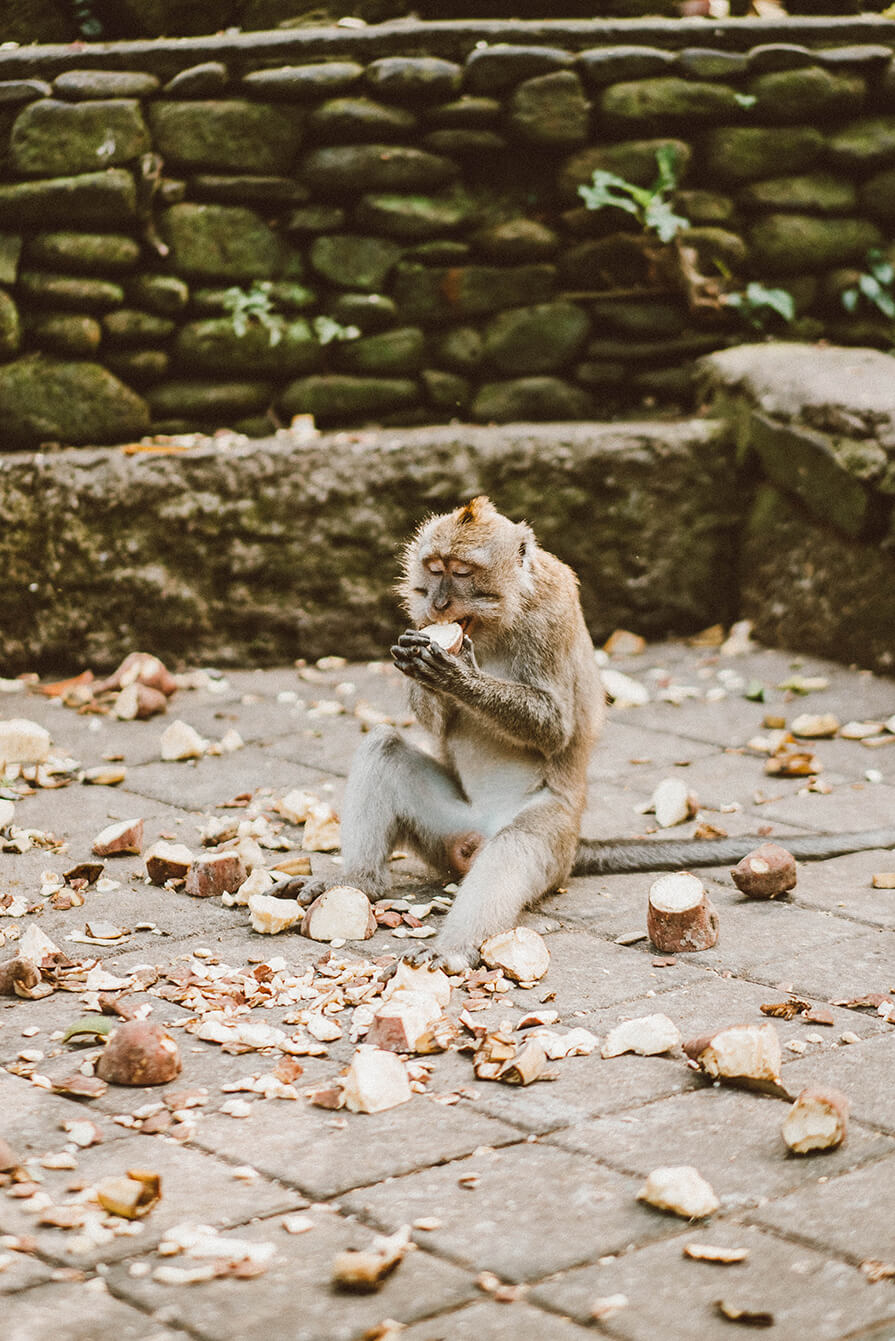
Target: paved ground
[(536, 1187)]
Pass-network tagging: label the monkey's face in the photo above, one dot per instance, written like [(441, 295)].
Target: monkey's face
[(447, 590)]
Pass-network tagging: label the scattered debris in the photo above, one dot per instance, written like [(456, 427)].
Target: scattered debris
[(622, 690), (411, 1022), (765, 873), (648, 1035), (607, 1305), (132, 1196), (23, 742), (215, 874), (705, 1252), (681, 1190), (139, 1053), (745, 1054), (883, 880), (138, 702), (18, 976), (271, 916), (673, 803), (139, 668), (818, 1120), (815, 727), (623, 643), (363, 1271), (167, 861), (521, 954), (181, 741), (119, 839), (296, 806), (375, 1080), (341, 913), (680, 915), (752, 1317)]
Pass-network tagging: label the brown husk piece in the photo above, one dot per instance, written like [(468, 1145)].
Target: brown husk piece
[(139, 668), (766, 873), (363, 1271), (139, 1053), (818, 1120), (132, 1196), (18, 976), (680, 915), (745, 1055), (752, 1317)]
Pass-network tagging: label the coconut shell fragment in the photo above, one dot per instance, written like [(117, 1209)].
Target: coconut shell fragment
[(139, 668), (680, 1190), (118, 840), (18, 976), (139, 1053), (449, 637), (138, 702), (647, 1036), (766, 873), (745, 1054), (375, 1081), (680, 915), (216, 874), (363, 1271), (167, 861), (341, 913), (520, 953), (818, 1120), (132, 1196)]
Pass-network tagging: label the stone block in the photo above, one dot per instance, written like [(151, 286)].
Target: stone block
[(87, 85), (221, 242), (465, 113), (165, 295), (877, 195), (240, 188), (498, 66), (550, 110), (515, 241), (281, 348), (748, 153), (80, 292), (353, 120), (303, 83), (811, 193), (783, 244), (414, 78), (531, 399), (103, 198), (535, 339), (335, 397), (344, 170), (354, 261), (635, 160), (51, 138), (864, 144), (208, 400), (395, 353), (65, 333), (137, 367), (411, 216), (812, 94), (129, 326), (198, 81), (47, 400), (433, 294), (93, 253), (229, 133), (10, 326), (653, 103), (612, 65)]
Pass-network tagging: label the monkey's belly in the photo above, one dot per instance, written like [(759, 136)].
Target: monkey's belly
[(498, 779)]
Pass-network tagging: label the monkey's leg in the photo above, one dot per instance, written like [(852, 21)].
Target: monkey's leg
[(512, 869), (398, 795)]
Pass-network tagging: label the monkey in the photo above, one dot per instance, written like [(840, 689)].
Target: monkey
[(514, 716)]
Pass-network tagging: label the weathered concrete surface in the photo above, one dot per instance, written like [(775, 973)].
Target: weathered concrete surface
[(816, 426), (277, 549), (538, 1185)]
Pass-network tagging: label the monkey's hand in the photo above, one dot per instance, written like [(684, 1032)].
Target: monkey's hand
[(297, 887), (451, 961), (423, 661)]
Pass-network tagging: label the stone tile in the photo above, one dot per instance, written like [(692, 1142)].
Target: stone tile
[(294, 1298), (672, 1297), (325, 1153), (497, 1322), (586, 1087), (731, 1136), (857, 805), (626, 749), (841, 1214), (512, 1221), (587, 973), (842, 885), (79, 1312), (195, 1187), (860, 964), (22, 1271), (205, 783), (862, 1070), (30, 1118)]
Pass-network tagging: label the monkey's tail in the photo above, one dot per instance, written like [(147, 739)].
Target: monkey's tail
[(624, 856)]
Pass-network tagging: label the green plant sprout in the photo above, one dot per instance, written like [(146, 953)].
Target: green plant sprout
[(253, 305), (757, 304), (876, 285), (651, 206), (327, 330)]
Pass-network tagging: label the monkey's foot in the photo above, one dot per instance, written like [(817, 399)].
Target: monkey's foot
[(294, 887), (430, 956)]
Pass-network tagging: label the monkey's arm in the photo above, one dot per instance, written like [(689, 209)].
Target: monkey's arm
[(524, 714), (628, 855)]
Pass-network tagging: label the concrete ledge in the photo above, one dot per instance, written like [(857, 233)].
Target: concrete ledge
[(264, 551)]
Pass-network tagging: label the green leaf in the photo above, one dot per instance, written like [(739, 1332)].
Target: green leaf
[(607, 189), (850, 299), (661, 218), (666, 159), (97, 1026), (746, 99)]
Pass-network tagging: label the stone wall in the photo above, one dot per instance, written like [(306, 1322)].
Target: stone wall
[(237, 231)]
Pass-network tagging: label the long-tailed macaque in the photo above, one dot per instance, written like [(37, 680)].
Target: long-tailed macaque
[(513, 715)]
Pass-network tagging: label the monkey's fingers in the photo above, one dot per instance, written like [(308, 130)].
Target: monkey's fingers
[(414, 638), (293, 887)]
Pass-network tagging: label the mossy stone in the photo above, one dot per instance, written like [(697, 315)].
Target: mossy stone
[(445, 391), (656, 102), (704, 207), (466, 113), (303, 83), (369, 311), (10, 326), (866, 143), (354, 120), (129, 326), (531, 399), (50, 400), (414, 78), (316, 219), (641, 319), (245, 188), (390, 353), (88, 85), (81, 292), (550, 110), (10, 255), (877, 195), (353, 261), (635, 160), (166, 295), (104, 198), (813, 193), (344, 170), (515, 241), (612, 65), (781, 244), (460, 348), (535, 339), (434, 294), (748, 153), (187, 398), (198, 81), (226, 133), (337, 397), (90, 252), (67, 334), (787, 97), (411, 216), (51, 138), (497, 66), (137, 367), (214, 346), (221, 242)]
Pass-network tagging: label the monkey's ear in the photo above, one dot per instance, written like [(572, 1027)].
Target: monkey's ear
[(526, 547)]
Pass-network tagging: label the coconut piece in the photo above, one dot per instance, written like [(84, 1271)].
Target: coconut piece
[(744, 1054), (214, 874), (259, 882), (363, 1271), (424, 978), (131, 1197), (818, 1120), (375, 1080), (36, 945), (449, 637), (623, 643), (119, 839), (103, 775), (167, 861), (529, 1063), (181, 741), (492, 1053), (403, 1021), (520, 953), (342, 913), (7, 813), (707, 1252), (648, 1036), (23, 742), (138, 702), (18, 976), (300, 865), (811, 726), (270, 916), (765, 873), (883, 880), (139, 1053), (680, 915), (672, 803), (752, 1317), (139, 668), (623, 691), (681, 1190), (296, 806), (321, 830)]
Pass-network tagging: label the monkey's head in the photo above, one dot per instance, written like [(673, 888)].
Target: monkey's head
[(471, 566)]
